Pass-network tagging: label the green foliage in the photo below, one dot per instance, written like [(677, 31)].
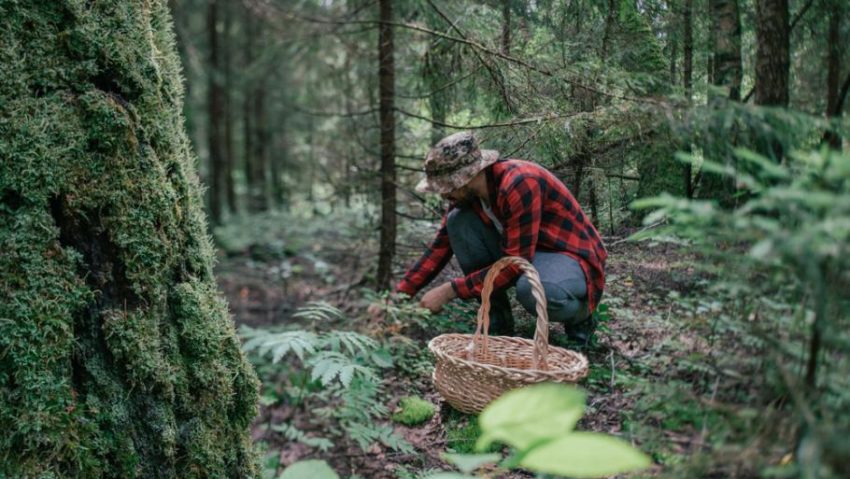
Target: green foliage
[(462, 433), (311, 469), (292, 433), (469, 463), (590, 455), (538, 422), (413, 410), (783, 252), (521, 420), (340, 370)]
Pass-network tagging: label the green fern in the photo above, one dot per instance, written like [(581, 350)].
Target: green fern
[(319, 311), (365, 434), (302, 343), (353, 343), (343, 365), (294, 434), (330, 365)]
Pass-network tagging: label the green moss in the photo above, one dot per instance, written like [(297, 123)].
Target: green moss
[(462, 432), (118, 358), (413, 410)]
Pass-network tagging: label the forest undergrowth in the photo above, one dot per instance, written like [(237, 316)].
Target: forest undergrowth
[(665, 369)]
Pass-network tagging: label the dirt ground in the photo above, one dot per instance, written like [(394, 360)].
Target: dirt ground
[(640, 280)]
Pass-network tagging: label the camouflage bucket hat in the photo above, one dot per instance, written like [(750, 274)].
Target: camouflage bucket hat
[(453, 162)]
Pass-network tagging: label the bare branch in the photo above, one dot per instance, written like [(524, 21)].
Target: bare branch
[(521, 121)]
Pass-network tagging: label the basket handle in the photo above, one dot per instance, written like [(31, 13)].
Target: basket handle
[(541, 332)]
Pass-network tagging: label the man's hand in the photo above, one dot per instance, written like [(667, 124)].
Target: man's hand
[(435, 299), (376, 310)]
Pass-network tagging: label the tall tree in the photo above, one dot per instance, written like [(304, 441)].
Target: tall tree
[(726, 73), (687, 77), (773, 53), (253, 118), (726, 41), (386, 93), (229, 86), (833, 66), (259, 195), (119, 357), (505, 43), (215, 107)]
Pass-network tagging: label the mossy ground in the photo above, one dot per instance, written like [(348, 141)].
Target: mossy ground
[(413, 410), (119, 358)]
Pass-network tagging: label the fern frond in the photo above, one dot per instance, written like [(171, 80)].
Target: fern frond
[(294, 434), (329, 365), (301, 343), (349, 341), (318, 311), (366, 434)]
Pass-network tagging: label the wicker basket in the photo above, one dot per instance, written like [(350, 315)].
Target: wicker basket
[(473, 369)]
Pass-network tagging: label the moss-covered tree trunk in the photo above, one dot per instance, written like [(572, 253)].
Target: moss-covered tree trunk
[(117, 356)]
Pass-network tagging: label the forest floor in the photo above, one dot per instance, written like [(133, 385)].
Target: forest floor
[(645, 385)]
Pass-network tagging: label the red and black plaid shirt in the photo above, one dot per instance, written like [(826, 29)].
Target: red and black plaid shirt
[(537, 212)]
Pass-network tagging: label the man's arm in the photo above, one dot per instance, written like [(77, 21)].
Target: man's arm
[(432, 261), (523, 208)]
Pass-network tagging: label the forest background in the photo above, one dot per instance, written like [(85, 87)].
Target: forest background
[(299, 107), (707, 139)]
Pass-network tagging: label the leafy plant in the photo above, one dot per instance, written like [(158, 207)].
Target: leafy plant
[(312, 469), (781, 265), (538, 422), (340, 371)]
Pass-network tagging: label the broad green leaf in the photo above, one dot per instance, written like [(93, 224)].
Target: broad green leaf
[(312, 469), (526, 416), (468, 463), (585, 455)]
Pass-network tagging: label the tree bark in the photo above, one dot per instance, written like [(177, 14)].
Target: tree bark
[(688, 60), (773, 53), (386, 87), (259, 198), (277, 158), (687, 78), (506, 27), (674, 53), (215, 107), (229, 153), (726, 41), (119, 357), (247, 107), (833, 62)]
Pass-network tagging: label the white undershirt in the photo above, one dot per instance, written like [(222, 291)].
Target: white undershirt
[(492, 217)]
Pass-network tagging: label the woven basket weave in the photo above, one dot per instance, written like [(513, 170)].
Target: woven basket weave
[(474, 369)]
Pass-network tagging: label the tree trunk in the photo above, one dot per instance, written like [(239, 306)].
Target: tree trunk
[(230, 157), (277, 158), (687, 78), (119, 357), (259, 198), (773, 53), (726, 34), (506, 27), (386, 87), (674, 53), (833, 62), (215, 107), (436, 74), (248, 108)]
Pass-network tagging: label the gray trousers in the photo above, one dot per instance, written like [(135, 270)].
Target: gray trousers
[(477, 245)]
